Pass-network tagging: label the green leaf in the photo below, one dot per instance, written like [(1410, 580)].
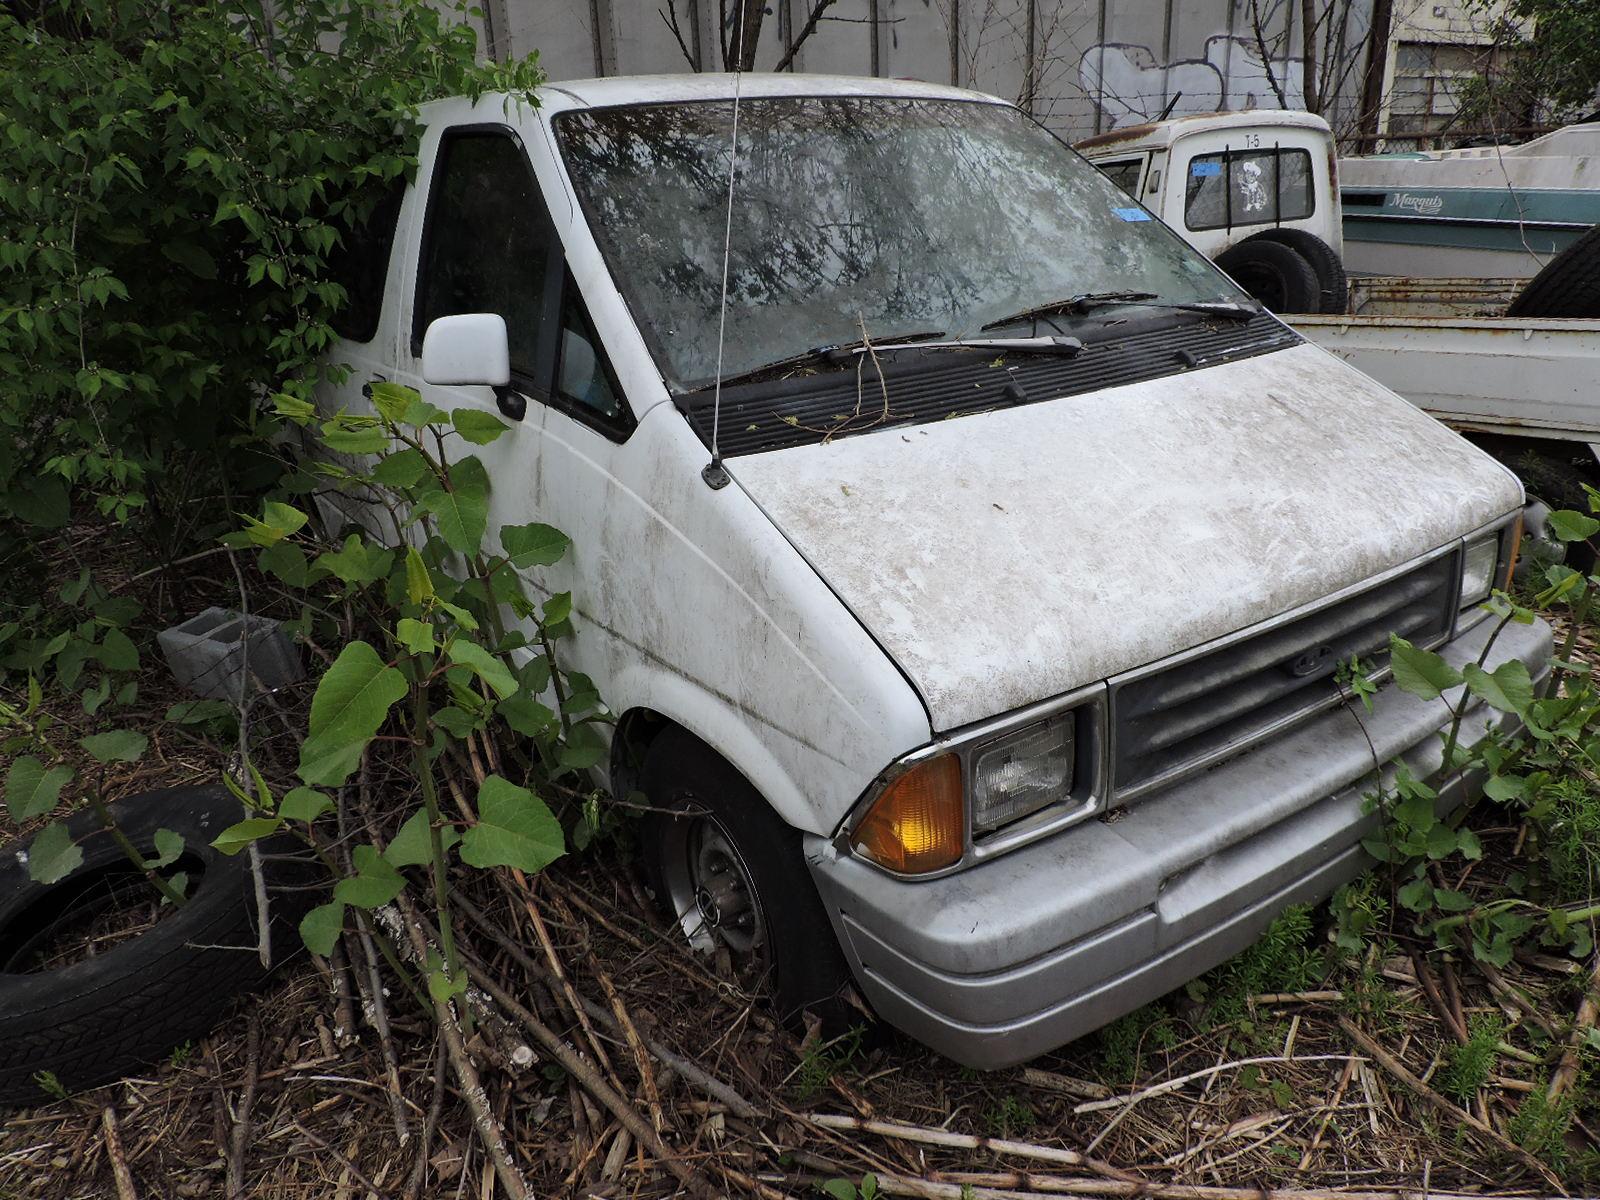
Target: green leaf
[(31, 789), (840, 1189), (191, 257), (457, 722), (236, 837), (352, 702), (120, 745), (1441, 842), (514, 829), (558, 608), (303, 804), (357, 562), (419, 412), (1505, 788), (43, 502), (169, 845), (1570, 526), (195, 712), (1469, 844), (535, 545), (288, 562), (401, 469), (53, 855), (416, 636), (372, 439), (476, 426), (412, 846), (526, 716), (320, 928), (1508, 687), (117, 652), (484, 665), (392, 399), (278, 521), (1422, 673), (583, 748), (1452, 901), (462, 509), (1417, 895), (375, 882), (419, 584)]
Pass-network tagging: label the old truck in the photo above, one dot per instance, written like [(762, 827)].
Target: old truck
[(1254, 190)]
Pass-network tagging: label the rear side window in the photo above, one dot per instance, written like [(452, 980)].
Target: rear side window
[(1124, 173), (360, 264), (1248, 187), (485, 248)]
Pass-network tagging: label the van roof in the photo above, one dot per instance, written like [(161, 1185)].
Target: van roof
[(659, 89), (1158, 135)]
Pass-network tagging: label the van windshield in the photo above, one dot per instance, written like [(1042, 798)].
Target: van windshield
[(854, 215)]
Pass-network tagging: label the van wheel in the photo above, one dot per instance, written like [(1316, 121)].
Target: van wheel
[(1333, 284), (1281, 278), (731, 875), (1569, 285)]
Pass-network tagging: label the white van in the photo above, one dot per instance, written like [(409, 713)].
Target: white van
[(992, 667)]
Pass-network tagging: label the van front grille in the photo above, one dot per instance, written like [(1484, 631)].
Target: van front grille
[(1172, 719)]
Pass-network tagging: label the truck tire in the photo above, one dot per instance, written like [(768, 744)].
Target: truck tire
[(725, 869), (1278, 276), (1569, 285), (1333, 283), (103, 1017)]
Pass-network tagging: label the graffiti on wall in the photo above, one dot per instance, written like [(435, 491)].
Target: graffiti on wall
[(1130, 85)]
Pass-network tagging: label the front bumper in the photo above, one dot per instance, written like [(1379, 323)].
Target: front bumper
[(999, 963)]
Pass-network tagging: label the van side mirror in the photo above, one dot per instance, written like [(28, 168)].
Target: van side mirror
[(467, 350)]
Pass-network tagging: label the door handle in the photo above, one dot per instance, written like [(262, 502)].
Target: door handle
[(366, 388)]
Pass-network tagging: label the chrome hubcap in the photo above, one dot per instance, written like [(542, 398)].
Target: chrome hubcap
[(711, 889)]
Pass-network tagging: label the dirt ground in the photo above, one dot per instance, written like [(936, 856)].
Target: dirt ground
[(1295, 1071)]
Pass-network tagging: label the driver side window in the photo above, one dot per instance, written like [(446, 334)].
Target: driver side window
[(486, 246)]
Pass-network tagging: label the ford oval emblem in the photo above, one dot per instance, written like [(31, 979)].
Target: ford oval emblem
[(1309, 662)]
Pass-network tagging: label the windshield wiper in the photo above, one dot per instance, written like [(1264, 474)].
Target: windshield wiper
[(1089, 301), (832, 354)]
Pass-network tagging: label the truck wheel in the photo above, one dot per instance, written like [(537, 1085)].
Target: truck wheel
[(91, 1019), (1281, 278), (729, 873), (1333, 283), (1569, 285)]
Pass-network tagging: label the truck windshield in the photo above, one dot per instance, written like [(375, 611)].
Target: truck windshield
[(854, 216)]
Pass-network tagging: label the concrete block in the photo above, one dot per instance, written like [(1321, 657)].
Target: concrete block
[(209, 654)]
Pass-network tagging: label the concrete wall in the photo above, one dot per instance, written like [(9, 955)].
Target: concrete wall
[(1096, 64)]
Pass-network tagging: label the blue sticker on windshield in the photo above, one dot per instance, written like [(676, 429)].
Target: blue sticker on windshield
[(1202, 169), (1132, 214)]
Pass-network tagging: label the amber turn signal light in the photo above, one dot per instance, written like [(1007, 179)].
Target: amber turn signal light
[(918, 824)]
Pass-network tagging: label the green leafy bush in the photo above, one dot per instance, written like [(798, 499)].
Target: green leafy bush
[(179, 180)]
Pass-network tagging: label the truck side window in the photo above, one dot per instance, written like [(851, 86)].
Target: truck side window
[(1248, 187), (1124, 173), (582, 375), (485, 248), (360, 264)]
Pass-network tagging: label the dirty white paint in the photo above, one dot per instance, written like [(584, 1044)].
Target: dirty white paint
[(1010, 556)]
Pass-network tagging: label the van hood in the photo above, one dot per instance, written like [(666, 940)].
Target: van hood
[(1011, 556)]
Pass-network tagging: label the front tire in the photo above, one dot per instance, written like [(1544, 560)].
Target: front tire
[(730, 874)]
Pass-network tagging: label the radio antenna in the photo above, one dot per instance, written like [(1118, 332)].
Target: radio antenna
[(714, 474)]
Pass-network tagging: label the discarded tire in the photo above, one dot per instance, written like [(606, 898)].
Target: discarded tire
[(1569, 285), (100, 1018), (1333, 284), (1280, 277)]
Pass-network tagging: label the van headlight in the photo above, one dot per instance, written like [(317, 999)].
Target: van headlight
[(1479, 567), (986, 790), (1018, 775)]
